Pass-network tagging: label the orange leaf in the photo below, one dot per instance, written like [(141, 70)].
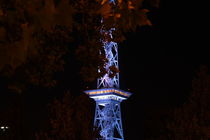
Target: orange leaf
[(130, 5)]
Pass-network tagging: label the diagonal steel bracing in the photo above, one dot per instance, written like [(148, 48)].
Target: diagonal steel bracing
[(108, 96), (108, 120)]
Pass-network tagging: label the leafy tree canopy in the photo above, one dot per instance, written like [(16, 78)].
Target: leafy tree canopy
[(190, 121), (36, 35)]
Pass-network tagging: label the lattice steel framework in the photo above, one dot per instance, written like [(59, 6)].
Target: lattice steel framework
[(108, 96), (108, 113), (108, 119), (111, 53)]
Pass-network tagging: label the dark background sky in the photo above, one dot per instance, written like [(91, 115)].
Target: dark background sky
[(158, 64)]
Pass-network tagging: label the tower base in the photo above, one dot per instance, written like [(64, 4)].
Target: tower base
[(108, 113)]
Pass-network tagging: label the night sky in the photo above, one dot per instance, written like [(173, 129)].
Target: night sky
[(157, 64)]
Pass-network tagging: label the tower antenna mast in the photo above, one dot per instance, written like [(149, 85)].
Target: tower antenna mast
[(108, 94)]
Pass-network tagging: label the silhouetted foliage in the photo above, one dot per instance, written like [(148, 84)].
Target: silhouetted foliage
[(36, 39), (190, 121), (29, 30), (70, 118)]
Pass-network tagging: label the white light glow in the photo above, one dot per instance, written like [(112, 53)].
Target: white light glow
[(107, 97), (3, 128)]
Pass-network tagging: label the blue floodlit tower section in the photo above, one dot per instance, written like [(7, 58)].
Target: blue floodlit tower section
[(108, 113), (108, 96)]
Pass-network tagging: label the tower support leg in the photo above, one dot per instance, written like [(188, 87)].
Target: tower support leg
[(108, 120)]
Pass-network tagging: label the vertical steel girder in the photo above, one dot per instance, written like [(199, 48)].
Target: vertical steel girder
[(108, 121), (111, 53), (108, 115)]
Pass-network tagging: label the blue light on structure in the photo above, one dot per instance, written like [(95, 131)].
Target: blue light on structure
[(112, 1), (108, 96), (108, 113)]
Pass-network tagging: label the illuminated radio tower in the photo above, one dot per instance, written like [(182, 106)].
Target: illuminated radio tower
[(108, 96)]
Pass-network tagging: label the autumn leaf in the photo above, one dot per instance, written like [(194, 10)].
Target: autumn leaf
[(130, 5), (106, 10), (113, 71)]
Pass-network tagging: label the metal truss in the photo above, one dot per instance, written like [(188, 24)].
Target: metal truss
[(110, 79), (111, 53), (108, 121), (108, 96)]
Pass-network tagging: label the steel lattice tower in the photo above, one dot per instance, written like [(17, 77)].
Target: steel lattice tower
[(108, 96)]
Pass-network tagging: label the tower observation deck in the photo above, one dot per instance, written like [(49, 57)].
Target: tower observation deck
[(108, 94)]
